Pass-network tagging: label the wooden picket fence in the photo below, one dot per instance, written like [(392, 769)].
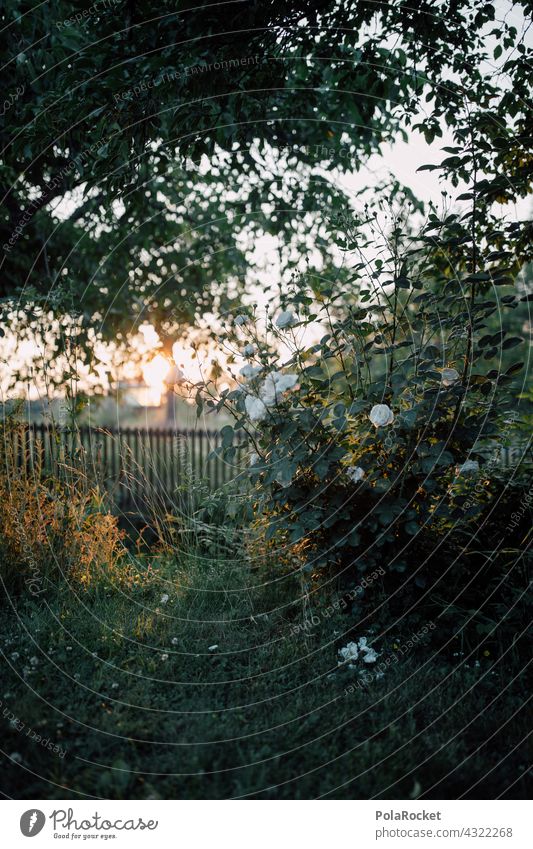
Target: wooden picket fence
[(142, 468), (134, 466)]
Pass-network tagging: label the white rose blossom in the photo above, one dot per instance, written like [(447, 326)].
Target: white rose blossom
[(270, 391), (355, 473), (449, 376), (282, 480), (469, 467), (381, 415), (284, 382), (285, 319), (255, 408), (275, 385), (249, 372), (349, 652), (370, 655)]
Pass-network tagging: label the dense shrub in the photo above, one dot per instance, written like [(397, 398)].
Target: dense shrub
[(378, 440)]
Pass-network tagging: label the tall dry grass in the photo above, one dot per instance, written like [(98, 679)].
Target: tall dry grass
[(51, 525)]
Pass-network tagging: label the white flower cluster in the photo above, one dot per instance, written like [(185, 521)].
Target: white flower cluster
[(275, 385), (255, 408), (270, 392), (286, 319), (249, 372), (357, 651)]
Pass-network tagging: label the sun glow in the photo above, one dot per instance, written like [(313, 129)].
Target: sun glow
[(154, 373), (190, 361), (185, 359)]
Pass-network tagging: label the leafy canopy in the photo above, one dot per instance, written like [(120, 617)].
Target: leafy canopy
[(145, 147)]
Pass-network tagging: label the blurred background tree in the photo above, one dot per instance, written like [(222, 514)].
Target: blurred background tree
[(146, 149)]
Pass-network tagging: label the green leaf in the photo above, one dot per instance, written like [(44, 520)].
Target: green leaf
[(402, 283), (199, 404), (227, 433), (512, 342)]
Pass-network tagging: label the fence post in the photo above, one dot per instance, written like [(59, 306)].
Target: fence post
[(125, 462)]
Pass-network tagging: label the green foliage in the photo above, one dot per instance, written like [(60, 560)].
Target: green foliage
[(139, 144), (208, 523), (139, 707), (366, 438)]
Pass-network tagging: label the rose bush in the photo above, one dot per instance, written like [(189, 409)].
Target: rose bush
[(364, 407)]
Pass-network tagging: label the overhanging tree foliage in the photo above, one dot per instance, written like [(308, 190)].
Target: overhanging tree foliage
[(141, 142)]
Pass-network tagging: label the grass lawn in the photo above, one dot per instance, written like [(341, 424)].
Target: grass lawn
[(127, 687)]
